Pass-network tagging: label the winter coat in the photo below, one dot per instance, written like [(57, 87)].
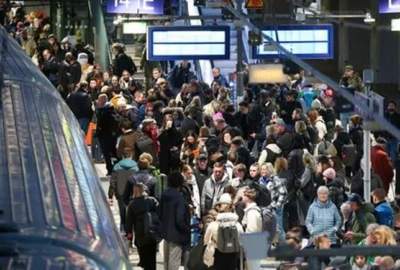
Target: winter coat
[(50, 69), (321, 127), (252, 220), (189, 124), (143, 177), (80, 104), (123, 62), (170, 143), (135, 219), (194, 194), (360, 221), (382, 165), (120, 176), (323, 218), (127, 140), (212, 190), (174, 217), (201, 177), (107, 121), (384, 214), (211, 234)]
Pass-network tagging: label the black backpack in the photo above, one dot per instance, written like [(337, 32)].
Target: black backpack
[(151, 223), (310, 189), (228, 239)]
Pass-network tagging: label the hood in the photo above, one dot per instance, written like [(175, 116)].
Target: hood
[(128, 164), (274, 148), (368, 207), (225, 178), (323, 205), (227, 219)]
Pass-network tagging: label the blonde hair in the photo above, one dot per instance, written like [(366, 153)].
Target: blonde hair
[(270, 168), (385, 235), (281, 164)]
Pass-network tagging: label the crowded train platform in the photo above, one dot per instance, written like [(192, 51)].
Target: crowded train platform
[(196, 135)]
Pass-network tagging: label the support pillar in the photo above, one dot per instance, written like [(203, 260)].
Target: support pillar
[(343, 46)]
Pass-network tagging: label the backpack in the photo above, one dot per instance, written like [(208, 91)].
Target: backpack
[(161, 181), (228, 239), (151, 224), (349, 154), (313, 134), (310, 189), (269, 223), (337, 193)]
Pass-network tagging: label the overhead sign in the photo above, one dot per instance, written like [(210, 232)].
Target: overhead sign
[(154, 7), (389, 6), (395, 24), (305, 41), (188, 43), (134, 28)]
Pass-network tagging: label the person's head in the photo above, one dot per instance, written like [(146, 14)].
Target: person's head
[(138, 190), (323, 194), (125, 125), (139, 97), (93, 84), (224, 203), (356, 120), (371, 239), (313, 115), (156, 73), (126, 75), (392, 107), (240, 171), (360, 261), (254, 170), (244, 107), (329, 175), (202, 162), (322, 242), (385, 263), (218, 171), (324, 163), (144, 161), (267, 170), (148, 124), (117, 48), (281, 164), (102, 100), (162, 83), (219, 121), (355, 201), (114, 81), (175, 180), (191, 138), (127, 153), (348, 71), (384, 236), (187, 172), (345, 209), (309, 161), (300, 127), (378, 195), (227, 137), (216, 72), (47, 54), (249, 196), (297, 114), (69, 57)]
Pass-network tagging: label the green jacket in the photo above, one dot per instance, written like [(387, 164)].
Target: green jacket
[(362, 218)]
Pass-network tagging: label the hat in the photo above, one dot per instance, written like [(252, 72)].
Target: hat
[(218, 117), (225, 199), (349, 67), (147, 121), (329, 173), (202, 156), (51, 36), (316, 104), (355, 198)]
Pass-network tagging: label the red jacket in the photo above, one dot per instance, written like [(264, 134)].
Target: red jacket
[(382, 165)]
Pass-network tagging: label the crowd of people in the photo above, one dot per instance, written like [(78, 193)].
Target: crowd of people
[(189, 167)]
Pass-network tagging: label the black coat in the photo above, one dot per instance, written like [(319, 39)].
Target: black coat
[(123, 62), (107, 121), (50, 69), (80, 104), (135, 219), (189, 124), (174, 217), (170, 146)]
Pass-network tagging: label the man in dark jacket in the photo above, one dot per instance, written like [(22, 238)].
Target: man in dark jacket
[(50, 67), (122, 61), (175, 222), (201, 170), (181, 74), (80, 104), (219, 78)]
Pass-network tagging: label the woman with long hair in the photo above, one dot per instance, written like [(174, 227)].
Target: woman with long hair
[(190, 149)]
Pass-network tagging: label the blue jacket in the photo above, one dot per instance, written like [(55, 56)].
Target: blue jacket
[(384, 213), (174, 218), (323, 218)]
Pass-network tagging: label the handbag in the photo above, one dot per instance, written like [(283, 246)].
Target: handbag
[(196, 257)]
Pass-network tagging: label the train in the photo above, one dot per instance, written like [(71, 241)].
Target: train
[(53, 212)]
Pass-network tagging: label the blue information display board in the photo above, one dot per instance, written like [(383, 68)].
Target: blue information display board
[(188, 43), (389, 6), (305, 41), (154, 7)]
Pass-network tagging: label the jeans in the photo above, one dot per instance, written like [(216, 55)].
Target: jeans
[(392, 149), (279, 221)]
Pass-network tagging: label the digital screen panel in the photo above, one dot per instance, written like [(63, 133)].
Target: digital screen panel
[(153, 7), (305, 41), (188, 43), (389, 6)]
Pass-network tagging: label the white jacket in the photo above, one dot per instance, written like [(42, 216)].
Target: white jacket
[(252, 220)]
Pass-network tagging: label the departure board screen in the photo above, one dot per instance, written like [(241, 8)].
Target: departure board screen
[(188, 43), (305, 41)]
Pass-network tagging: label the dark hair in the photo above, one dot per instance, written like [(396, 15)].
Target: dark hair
[(125, 124), (380, 193), (175, 180)]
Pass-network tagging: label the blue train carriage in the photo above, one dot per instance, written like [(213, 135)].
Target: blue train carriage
[(53, 213)]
